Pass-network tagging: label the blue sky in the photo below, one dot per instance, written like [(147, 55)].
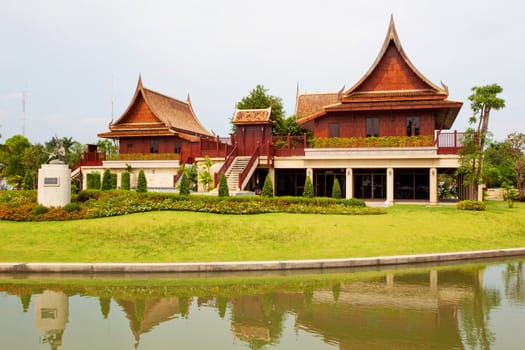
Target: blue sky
[(79, 61)]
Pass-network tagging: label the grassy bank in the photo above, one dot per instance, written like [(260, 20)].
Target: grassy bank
[(186, 236)]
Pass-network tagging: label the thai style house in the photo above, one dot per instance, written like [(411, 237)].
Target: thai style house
[(384, 139)]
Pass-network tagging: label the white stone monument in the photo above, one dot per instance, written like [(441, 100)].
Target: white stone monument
[(54, 184)]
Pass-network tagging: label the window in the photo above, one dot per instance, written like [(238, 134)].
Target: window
[(177, 148), (333, 130), (412, 126), (154, 146), (372, 127)]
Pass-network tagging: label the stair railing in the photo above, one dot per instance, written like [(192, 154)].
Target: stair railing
[(227, 163), (253, 158)]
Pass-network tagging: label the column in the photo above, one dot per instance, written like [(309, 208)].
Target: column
[(390, 186), (310, 174), (433, 186), (349, 183), (271, 174)]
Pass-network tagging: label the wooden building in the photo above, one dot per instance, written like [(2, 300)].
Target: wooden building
[(385, 139)]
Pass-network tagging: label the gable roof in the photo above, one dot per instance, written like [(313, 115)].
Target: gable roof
[(393, 75), (169, 114), (307, 104), (253, 116)]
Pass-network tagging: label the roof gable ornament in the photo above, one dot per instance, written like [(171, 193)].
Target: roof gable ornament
[(392, 53)]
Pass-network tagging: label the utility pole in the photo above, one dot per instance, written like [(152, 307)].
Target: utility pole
[(24, 116)]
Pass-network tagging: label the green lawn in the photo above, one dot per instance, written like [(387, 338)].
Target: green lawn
[(187, 236)]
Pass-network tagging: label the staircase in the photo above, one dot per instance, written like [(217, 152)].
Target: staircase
[(232, 174)]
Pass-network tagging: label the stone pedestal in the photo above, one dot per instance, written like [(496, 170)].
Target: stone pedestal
[(54, 184)]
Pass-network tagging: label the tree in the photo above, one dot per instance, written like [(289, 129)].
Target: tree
[(28, 181), (336, 189), (498, 166), (259, 98), (267, 190), (482, 101), (308, 190), (107, 146), (516, 146), (205, 177), (12, 159), (125, 180), (142, 184), (106, 180), (223, 186), (184, 186)]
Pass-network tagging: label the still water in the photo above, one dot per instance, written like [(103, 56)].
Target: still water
[(473, 306)]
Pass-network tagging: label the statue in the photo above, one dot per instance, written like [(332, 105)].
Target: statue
[(59, 155)]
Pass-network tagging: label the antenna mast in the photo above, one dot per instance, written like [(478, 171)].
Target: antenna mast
[(24, 103)]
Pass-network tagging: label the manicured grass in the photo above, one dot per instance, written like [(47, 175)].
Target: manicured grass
[(187, 236)]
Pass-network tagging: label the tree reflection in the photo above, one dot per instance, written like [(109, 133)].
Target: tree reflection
[(475, 314), (514, 285)]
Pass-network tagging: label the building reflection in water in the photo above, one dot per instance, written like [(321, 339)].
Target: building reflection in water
[(446, 309), (51, 316)]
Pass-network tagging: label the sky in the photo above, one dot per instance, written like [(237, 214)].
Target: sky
[(77, 62)]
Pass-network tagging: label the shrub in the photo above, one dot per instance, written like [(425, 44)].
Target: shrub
[(106, 181), (267, 190), (39, 210), (308, 188), (142, 184), (113, 181), (336, 189), (184, 186), (86, 195), (223, 186), (28, 183), (125, 180), (93, 181), (471, 205), (71, 207)]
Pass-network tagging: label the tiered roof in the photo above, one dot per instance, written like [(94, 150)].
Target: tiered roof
[(153, 114), (392, 82)]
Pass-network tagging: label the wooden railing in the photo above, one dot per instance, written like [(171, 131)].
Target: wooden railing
[(289, 145), (253, 158), (227, 163), (90, 159), (449, 142)]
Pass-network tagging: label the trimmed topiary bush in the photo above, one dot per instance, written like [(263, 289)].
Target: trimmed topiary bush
[(308, 188), (106, 181), (93, 181), (125, 180), (71, 207), (184, 187), (223, 186), (267, 190), (113, 181), (471, 205), (39, 210), (336, 189), (28, 183), (142, 184)]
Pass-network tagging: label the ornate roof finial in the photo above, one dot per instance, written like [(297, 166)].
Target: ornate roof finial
[(140, 79)]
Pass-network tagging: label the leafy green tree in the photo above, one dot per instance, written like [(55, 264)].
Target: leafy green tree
[(223, 186), (142, 184), (28, 181), (93, 181), (205, 177), (516, 147), (12, 159), (107, 146), (482, 101), (336, 189), (498, 166), (308, 188), (106, 180), (125, 180), (184, 186), (267, 190)]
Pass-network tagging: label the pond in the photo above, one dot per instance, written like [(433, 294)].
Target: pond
[(477, 305)]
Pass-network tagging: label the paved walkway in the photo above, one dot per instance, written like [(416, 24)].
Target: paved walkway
[(255, 265)]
